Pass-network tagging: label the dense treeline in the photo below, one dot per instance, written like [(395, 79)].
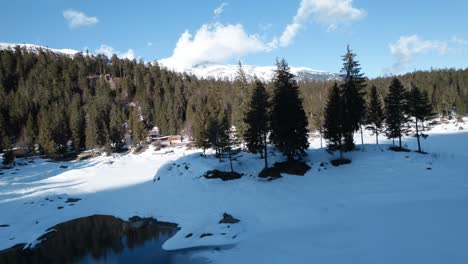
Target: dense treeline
[(61, 103), (447, 90), (347, 112), (54, 103)]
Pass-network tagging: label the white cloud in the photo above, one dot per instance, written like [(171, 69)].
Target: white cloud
[(329, 13), (149, 44), (109, 51), (215, 43), (78, 19), (408, 47), (219, 10)]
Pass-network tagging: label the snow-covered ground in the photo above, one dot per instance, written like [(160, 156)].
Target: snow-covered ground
[(385, 207)]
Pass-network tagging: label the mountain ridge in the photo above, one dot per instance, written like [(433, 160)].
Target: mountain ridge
[(206, 70)]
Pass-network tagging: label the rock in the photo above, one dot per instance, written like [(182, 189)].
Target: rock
[(188, 235), (228, 219), (223, 175), (63, 167), (4, 225), (60, 207), (72, 200), (205, 235)]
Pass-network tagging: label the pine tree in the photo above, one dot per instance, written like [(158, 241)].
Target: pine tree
[(137, 126), (375, 113), (77, 124), (60, 129), (30, 133), (241, 101), (200, 127), (418, 108), (257, 122), (395, 108), (117, 128), (45, 138), (91, 130), (460, 106), (334, 131), (218, 133), (352, 97), (288, 118), (8, 155)]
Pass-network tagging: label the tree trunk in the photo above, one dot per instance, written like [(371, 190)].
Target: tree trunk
[(362, 136), (341, 150), (266, 151), (321, 129), (376, 137), (399, 140), (417, 136), (230, 160)]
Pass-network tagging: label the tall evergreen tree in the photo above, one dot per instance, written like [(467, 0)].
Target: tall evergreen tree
[(91, 130), (200, 127), (46, 138), (137, 126), (288, 118), (334, 131), (395, 109), (352, 97), (241, 101), (77, 124), (418, 108), (30, 133), (117, 128), (257, 121), (375, 113)]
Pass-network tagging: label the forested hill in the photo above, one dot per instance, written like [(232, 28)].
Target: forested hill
[(49, 99), (447, 88)]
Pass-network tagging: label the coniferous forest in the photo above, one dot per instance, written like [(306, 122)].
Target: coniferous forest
[(55, 104)]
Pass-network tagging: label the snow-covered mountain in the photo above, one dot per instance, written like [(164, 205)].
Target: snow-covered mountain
[(264, 73), (226, 72), (33, 47)]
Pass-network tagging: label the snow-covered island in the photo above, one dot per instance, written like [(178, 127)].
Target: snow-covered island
[(384, 207)]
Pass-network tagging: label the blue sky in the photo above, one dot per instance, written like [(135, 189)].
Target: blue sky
[(389, 37)]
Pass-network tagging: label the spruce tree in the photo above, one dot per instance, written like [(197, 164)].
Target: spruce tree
[(334, 132), (137, 126), (30, 133), (288, 118), (91, 130), (352, 97), (45, 138), (375, 113), (241, 101), (418, 108), (257, 122), (77, 124), (117, 128), (200, 126), (395, 109)]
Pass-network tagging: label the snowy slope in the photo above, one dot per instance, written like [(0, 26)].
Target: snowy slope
[(385, 207), (264, 73), (35, 48)]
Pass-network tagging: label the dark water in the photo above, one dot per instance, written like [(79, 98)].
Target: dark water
[(98, 239)]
